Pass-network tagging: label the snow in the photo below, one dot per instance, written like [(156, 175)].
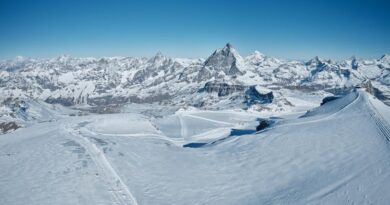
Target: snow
[(192, 147), (122, 124), (336, 155), (262, 90), (67, 77)]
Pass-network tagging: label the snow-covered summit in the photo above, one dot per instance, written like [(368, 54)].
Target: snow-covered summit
[(259, 59)]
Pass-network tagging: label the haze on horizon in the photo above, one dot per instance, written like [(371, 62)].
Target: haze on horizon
[(283, 29)]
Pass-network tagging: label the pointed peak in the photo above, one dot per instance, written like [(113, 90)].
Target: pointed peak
[(316, 58), (227, 60), (227, 51), (159, 54), (385, 57), (158, 58), (229, 45), (314, 61), (228, 48)]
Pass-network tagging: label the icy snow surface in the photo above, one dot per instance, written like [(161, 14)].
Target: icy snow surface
[(335, 154)]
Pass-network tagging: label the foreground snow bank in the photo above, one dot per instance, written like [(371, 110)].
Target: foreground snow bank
[(338, 155)]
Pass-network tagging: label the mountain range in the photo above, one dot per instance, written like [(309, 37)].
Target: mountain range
[(224, 75)]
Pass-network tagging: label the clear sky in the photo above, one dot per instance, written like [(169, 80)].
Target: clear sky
[(194, 28)]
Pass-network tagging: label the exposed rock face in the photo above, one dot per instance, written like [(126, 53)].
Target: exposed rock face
[(107, 100), (354, 64), (227, 60), (8, 126), (383, 96), (328, 99), (254, 96), (262, 125), (65, 101), (223, 89)]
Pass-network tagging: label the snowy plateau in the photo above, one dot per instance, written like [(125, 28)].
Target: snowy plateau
[(223, 130)]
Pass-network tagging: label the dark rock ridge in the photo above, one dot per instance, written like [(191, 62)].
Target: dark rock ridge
[(8, 126), (384, 97), (262, 125), (250, 94), (329, 98), (253, 96), (223, 89)]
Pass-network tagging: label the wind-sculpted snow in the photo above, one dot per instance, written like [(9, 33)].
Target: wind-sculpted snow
[(339, 154), (333, 106)]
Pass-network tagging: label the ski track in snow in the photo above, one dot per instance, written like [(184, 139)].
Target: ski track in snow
[(210, 120), (381, 123), (183, 127), (118, 188), (138, 135)]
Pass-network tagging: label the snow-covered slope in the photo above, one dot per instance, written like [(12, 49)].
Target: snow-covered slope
[(339, 154)]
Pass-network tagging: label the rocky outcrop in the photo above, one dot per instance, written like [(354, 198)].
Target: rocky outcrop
[(7, 127), (328, 99), (257, 96), (262, 125), (65, 101), (223, 89), (380, 94)]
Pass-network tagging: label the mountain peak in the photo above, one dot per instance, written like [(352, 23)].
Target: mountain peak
[(385, 57), (255, 57), (158, 58), (314, 61), (159, 54), (227, 49), (227, 59), (259, 59), (258, 53), (229, 45)]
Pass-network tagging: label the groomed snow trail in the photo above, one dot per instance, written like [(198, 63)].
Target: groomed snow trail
[(382, 124), (210, 120), (183, 127), (119, 189)]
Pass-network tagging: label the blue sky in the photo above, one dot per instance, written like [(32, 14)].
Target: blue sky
[(279, 28)]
